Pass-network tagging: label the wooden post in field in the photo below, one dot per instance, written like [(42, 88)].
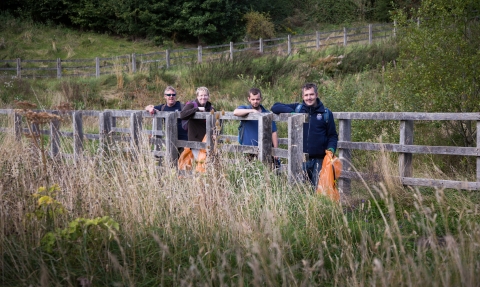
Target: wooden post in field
[(97, 67), (394, 28), (54, 135), (199, 54), (19, 68), (136, 120), (59, 68), (317, 40), (231, 50), (171, 136), (260, 47), (17, 126), (167, 58), (289, 45), (295, 147), (210, 128), (77, 122), (105, 128), (265, 138), (478, 147), (156, 128), (134, 63), (344, 36), (345, 135), (370, 36), (405, 159)]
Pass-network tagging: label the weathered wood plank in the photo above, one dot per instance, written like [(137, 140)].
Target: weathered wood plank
[(466, 185), (478, 147), (345, 134), (136, 122), (407, 116), (405, 159), (105, 128), (265, 138), (77, 123), (295, 147), (420, 149), (6, 111), (54, 136), (239, 148), (171, 137), (121, 130)]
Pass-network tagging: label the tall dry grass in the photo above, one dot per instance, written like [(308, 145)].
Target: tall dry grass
[(238, 224)]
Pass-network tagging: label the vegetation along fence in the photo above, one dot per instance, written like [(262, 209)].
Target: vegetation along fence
[(165, 59), (130, 127)]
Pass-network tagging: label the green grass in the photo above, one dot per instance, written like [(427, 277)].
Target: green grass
[(238, 224)]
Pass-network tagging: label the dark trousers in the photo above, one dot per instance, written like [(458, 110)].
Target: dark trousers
[(312, 168)]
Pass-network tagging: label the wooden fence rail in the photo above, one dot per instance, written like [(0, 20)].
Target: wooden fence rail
[(59, 68), (163, 135)]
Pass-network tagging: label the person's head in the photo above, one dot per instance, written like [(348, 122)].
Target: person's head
[(310, 94), (170, 95), (202, 95), (255, 97)]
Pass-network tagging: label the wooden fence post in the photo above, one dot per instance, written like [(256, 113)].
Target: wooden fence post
[(289, 45), (478, 147), (260, 43), (54, 135), (344, 36), (210, 128), (105, 128), (97, 67), (171, 137), (167, 58), (199, 54), (136, 121), (231, 50), (295, 147), (265, 138), (19, 68), (77, 123), (317, 40), (370, 36), (17, 126), (59, 68), (134, 63), (394, 28), (405, 159), (156, 127), (345, 135)]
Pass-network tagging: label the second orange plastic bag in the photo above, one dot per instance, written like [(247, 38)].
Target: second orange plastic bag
[(327, 179), (185, 161)]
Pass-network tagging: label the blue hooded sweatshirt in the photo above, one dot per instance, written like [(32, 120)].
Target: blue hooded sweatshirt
[(318, 135)]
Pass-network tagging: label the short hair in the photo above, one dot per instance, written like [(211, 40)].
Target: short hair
[(169, 88), (202, 89), (255, 91), (308, 86)]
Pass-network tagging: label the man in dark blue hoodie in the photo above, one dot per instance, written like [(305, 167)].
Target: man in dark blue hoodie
[(319, 134)]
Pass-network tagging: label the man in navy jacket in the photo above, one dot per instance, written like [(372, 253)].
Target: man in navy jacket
[(171, 105), (319, 134)]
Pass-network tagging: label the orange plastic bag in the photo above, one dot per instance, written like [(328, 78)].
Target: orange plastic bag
[(185, 161), (327, 179)]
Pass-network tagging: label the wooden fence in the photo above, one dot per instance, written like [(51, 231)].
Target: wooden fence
[(163, 134), (59, 68)]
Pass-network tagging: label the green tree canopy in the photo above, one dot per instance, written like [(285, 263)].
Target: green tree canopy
[(439, 63)]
